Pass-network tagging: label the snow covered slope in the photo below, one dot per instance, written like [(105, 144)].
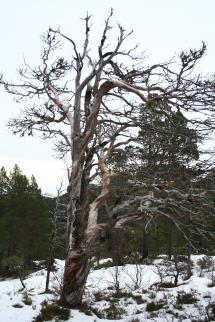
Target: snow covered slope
[(130, 293)]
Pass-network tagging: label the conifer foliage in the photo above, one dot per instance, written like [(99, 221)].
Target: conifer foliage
[(24, 221)]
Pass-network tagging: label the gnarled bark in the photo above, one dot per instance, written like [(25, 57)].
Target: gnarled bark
[(75, 275)]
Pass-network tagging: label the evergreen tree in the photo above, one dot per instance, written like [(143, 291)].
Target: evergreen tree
[(164, 147), (161, 154), (36, 224), (24, 223)]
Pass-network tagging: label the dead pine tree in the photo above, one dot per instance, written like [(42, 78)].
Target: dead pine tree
[(88, 102)]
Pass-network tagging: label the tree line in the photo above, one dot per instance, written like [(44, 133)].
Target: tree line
[(24, 221)]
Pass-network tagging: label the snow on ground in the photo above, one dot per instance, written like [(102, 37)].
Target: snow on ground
[(129, 293)]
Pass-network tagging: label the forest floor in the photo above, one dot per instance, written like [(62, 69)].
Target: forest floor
[(130, 293)]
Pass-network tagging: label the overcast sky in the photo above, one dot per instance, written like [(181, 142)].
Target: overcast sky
[(161, 27)]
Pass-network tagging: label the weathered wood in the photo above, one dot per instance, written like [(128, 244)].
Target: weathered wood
[(75, 275)]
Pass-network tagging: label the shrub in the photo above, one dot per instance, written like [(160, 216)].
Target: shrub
[(11, 266), (152, 306), (89, 310), (205, 263), (185, 298), (113, 311), (212, 312), (85, 308), (98, 296), (166, 285), (138, 299), (51, 311), (26, 299)]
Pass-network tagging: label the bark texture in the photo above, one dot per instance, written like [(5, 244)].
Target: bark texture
[(75, 275)]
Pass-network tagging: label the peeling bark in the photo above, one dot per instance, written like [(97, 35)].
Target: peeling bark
[(75, 275)]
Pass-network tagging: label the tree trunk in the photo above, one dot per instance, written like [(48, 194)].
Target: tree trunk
[(81, 237), (169, 242), (75, 276), (145, 244), (50, 263), (76, 264), (116, 246), (189, 249), (81, 245)]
